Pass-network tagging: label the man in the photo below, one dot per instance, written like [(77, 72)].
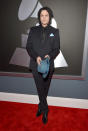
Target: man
[(43, 41)]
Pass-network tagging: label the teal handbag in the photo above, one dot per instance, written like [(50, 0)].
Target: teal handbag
[(44, 67)]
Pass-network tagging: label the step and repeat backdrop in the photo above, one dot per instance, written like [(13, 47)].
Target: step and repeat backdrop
[(16, 19)]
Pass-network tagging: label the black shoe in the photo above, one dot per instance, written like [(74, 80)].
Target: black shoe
[(45, 117), (39, 112)]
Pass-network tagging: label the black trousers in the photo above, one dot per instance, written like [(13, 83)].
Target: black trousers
[(42, 85)]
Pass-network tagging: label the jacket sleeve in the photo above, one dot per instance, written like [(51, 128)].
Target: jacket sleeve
[(29, 46), (56, 46)]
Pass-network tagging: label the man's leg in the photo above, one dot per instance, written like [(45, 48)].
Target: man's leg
[(40, 89), (47, 82)]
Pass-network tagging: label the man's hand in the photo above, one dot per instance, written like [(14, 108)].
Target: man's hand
[(47, 56), (38, 60)]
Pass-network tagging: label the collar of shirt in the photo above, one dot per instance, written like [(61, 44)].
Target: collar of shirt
[(44, 28)]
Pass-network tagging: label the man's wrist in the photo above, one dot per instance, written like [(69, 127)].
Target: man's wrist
[(48, 57)]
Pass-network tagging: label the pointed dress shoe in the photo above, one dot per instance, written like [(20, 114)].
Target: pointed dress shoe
[(45, 117), (39, 112)]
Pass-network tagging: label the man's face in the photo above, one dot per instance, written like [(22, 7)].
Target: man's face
[(44, 18)]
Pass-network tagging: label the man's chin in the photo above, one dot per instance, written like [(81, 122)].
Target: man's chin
[(45, 24)]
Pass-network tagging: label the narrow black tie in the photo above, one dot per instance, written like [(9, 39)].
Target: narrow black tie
[(43, 35)]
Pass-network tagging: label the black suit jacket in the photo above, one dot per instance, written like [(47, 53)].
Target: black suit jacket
[(43, 41)]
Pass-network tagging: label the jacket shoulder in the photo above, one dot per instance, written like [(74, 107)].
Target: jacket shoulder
[(54, 29), (34, 27)]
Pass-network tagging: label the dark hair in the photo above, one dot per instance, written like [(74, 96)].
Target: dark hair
[(49, 11)]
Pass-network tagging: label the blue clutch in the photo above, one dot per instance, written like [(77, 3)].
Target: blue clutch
[(44, 67)]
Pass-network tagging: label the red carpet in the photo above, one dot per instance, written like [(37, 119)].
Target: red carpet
[(22, 117)]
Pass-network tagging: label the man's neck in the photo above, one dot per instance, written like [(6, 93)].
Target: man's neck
[(44, 25)]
